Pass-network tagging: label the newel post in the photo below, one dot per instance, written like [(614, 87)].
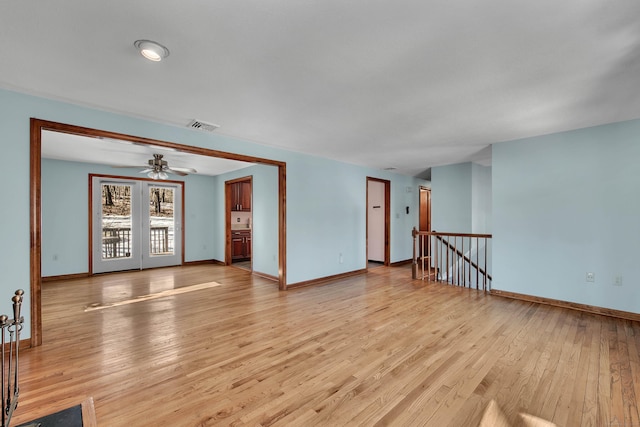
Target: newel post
[(414, 261)]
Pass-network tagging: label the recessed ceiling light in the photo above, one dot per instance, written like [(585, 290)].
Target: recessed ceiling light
[(151, 50)]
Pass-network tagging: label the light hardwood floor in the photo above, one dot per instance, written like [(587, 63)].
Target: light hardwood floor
[(376, 349)]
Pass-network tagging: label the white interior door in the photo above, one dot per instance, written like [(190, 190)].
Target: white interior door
[(376, 220), (136, 224)]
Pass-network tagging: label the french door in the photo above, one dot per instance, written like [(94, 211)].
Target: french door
[(136, 224)]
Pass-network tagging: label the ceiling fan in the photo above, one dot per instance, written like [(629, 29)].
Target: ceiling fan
[(158, 168)]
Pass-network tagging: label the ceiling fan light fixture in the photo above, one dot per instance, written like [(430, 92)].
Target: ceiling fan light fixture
[(151, 50), (157, 174), (158, 168)]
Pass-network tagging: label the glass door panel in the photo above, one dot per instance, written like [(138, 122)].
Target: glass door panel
[(116, 221), (115, 229), (161, 225), (161, 221)]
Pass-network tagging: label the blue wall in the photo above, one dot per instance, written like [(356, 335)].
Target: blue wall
[(461, 198), (481, 199), (65, 220), (201, 216), (451, 198), (325, 199), (567, 204)]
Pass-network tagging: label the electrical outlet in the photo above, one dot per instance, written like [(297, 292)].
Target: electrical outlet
[(591, 277), (617, 281), (340, 259)]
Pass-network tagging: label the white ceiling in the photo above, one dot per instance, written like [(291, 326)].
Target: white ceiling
[(113, 152), (405, 84)]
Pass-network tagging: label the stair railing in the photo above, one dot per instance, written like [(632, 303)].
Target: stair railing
[(456, 258)]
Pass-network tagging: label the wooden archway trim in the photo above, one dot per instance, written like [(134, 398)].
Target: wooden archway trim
[(35, 202)]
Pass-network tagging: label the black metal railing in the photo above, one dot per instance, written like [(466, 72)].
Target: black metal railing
[(159, 240), (116, 242)]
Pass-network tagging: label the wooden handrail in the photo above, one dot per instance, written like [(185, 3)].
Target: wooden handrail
[(415, 233)]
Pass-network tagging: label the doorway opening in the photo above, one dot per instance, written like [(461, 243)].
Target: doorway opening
[(425, 209), (135, 224), (378, 220), (239, 222), (38, 127), (424, 220)]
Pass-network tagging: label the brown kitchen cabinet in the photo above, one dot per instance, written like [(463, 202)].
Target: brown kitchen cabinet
[(241, 196), (240, 245)]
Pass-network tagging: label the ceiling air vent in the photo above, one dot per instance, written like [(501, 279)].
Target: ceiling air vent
[(200, 125)]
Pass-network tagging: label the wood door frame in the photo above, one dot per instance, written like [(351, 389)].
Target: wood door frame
[(420, 190), (387, 220), (227, 212), (427, 208), (35, 202)]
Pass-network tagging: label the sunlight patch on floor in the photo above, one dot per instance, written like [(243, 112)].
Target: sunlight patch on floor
[(168, 292)]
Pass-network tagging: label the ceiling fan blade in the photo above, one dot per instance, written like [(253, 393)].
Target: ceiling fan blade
[(157, 164), (177, 172), (185, 170)]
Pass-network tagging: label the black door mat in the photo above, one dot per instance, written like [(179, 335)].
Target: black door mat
[(70, 417)]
